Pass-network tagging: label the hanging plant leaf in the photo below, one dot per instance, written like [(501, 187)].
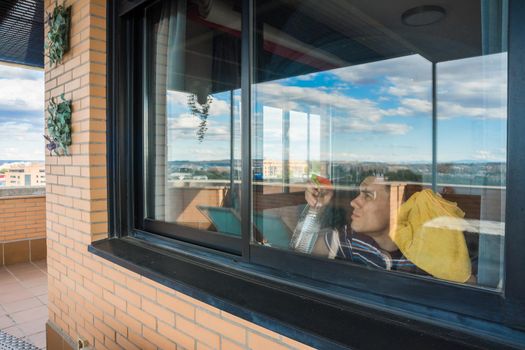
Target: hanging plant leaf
[(201, 112), (57, 40), (59, 126)]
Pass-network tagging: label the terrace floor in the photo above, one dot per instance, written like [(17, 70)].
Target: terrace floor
[(23, 301)]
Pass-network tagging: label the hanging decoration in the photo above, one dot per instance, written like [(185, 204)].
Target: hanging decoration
[(200, 111), (59, 126), (57, 40)]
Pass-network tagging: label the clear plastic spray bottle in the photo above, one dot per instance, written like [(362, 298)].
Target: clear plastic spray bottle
[(309, 224)]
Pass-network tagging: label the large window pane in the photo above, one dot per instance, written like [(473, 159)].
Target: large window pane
[(192, 116), (379, 134)]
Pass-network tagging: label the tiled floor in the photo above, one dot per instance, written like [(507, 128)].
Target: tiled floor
[(23, 301)]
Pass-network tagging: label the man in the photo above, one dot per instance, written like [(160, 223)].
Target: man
[(368, 240), (426, 239)]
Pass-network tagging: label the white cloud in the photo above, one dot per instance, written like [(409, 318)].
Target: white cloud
[(485, 155), (447, 110), (355, 125), (349, 114), (474, 87), (20, 141), (11, 72), (209, 153), (313, 100), (21, 113), (219, 107), (179, 99), (383, 156), (185, 127), (184, 121), (22, 95), (408, 87)]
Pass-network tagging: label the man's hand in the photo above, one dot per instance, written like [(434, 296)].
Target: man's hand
[(317, 196)]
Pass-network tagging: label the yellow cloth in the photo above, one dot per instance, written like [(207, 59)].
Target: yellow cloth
[(439, 250)]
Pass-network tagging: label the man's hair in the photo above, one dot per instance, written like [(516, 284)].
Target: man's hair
[(369, 180)]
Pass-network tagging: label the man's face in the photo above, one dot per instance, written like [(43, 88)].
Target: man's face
[(371, 215)]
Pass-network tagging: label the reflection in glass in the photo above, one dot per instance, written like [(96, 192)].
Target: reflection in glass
[(472, 117), (192, 125), (386, 141)]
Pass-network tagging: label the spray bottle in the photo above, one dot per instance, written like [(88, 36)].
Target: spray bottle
[(307, 229)]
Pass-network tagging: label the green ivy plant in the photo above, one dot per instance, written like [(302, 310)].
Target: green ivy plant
[(59, 126), (57, 42)]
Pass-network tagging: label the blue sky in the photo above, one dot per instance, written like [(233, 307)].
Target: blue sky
[(380, 111), (21, 113)]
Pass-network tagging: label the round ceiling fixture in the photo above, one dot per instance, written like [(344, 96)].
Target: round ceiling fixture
[(423, 15)]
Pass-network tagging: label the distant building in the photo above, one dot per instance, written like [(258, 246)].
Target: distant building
[(31, 174), (297, 169)]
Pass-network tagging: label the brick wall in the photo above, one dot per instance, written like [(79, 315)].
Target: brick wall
[(22, 218), (110, 306), (22, 229)]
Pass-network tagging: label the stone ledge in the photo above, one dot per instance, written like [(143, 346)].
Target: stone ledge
[(22, 191)]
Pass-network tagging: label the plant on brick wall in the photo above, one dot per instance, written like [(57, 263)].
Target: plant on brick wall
[(57, 42), (59, 126)]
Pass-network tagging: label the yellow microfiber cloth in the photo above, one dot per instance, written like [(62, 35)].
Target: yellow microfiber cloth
[(440, 250)]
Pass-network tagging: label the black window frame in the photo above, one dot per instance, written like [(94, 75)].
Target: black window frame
[(209, 239), (500, 315)]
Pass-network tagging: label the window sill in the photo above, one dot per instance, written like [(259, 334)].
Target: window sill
[(218, 280)]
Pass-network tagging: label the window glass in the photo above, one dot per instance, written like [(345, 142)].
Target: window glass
[(192, 115), (379, 134)]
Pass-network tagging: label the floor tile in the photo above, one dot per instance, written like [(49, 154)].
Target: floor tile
[(10, 288), (25, 266), (41, 264), (7, 278), (29, 275), (38, 291), (5, 322), (3, 270), (15, 331), (23, 301), (33, 327), (15, 295), (22, 305), (38, 340), (30, 314), (34, 282), (43, 299)]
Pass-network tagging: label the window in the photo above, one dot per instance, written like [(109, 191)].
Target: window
[(191, 140), (359, 152), (405, 124)]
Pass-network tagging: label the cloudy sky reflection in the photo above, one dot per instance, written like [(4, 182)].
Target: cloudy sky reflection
[(381, 111)]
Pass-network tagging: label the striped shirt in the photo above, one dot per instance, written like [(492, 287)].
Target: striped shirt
[(362, 249)]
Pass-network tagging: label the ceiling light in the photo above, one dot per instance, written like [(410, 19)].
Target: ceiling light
[(423, 15)]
